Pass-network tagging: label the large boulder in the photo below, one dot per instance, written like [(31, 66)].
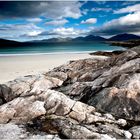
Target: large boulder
[(111, 85)]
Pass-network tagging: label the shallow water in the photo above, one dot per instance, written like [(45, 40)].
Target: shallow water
[(59, 48)]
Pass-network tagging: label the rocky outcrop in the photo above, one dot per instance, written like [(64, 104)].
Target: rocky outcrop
[(16, 132), (58, 114), (108, 54), (127, 44), (136, 132), (110, 85), (90, 98)]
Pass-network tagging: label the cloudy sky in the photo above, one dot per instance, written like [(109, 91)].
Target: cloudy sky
[(24, 21)]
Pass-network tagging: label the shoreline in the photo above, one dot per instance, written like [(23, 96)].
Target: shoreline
[(20, 65), (54, 53)]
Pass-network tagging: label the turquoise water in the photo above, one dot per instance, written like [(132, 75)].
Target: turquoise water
[(58, 48)]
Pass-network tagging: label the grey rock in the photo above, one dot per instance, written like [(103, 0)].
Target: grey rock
[(111, 85), (135, 131), (16, 132), (90, 98)]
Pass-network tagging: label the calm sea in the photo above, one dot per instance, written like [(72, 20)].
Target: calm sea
[(58, 48)]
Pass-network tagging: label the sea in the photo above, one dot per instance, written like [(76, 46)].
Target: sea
[(58, 48)]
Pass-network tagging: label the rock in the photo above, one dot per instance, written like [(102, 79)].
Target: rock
[(110, 85), (66, 116), (106, 137), (21, 110), (5, 94), (135, 132), (57, 103), (59, 75), (26, 86), (45, 83), (75, 131), (122, 122), (127, 44), (127, 134), (108, 54), (90, 98), (12, 131), (16, 132), (109, 116), (80, 110), (72, 129)]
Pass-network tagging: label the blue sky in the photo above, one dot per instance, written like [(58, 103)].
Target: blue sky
[(25, 21)]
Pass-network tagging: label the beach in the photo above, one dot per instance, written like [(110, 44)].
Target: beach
[(15, 66)]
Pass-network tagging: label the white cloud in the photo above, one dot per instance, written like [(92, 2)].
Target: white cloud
[(89, 21), (67, 31), (125, 24), (101, 9), (126, 3), (34, 20), (128, 9), (33, 33), (59, 22), (62, 9), (15, 31), (129, 23), (130, 19), (64, 32)]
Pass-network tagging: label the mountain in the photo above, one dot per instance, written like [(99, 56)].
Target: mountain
[(124, 37), (10, 43), (94, 38), (89, 38), (60, 39), (68, 39), (78, 39)]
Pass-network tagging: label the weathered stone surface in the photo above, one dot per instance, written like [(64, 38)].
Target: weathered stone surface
[(135, 131), (25, 86), (15, 132), (108, 54), (72, 129), (91, 98), (111, 85), (5, 94), (67, 117)]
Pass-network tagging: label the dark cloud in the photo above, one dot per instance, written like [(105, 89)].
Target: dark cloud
[(30, 9), (20, 9)]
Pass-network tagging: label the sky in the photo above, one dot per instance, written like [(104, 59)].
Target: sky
[(28, 20)]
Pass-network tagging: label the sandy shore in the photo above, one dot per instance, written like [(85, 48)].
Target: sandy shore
[(12, 67)]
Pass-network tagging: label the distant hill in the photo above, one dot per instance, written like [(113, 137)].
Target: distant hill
[(5, 41), (127, 44), (124, 37), (94, 38), (8, 43), (117, 38), (89, 38), (68, 39), (77, 39), (59, 39)]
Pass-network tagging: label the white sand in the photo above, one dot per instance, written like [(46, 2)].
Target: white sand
[(12, 67)]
